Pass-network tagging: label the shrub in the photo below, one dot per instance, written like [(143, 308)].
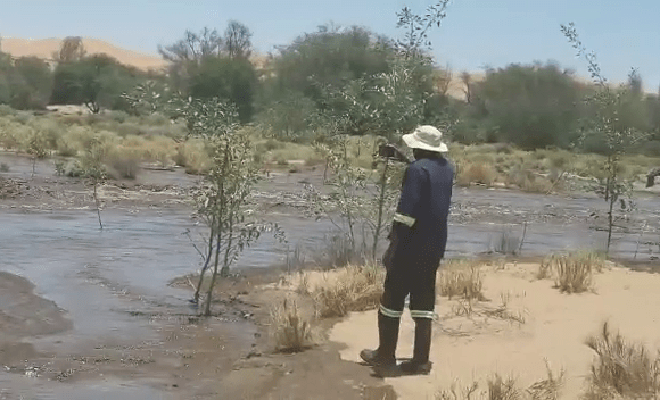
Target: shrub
[(289, 330), (460, 278), (506, 243), (192, 155), (503, 389), (272, 144), (573, 272), (350, 289), (119, 116), (127, 128), (4, 167), (6, 111), (125, 162), (476, 173), (622, 369)]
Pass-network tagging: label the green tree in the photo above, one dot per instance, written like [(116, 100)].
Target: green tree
[(415, 41), (31, 85), (531, 106), (329, 57), (224, 201), (96, 81), (231, 79)]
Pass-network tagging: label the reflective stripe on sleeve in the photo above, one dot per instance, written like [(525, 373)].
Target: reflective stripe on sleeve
[(390, 313), (404, 219)]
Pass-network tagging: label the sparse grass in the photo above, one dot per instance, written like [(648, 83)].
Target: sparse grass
[(460, 278), (506, 243), (622, 370), (350, 289), (289, 330), (468, 308), (573, 272), (500, 388)]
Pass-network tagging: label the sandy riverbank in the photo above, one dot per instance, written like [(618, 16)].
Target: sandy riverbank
[(474, 348)]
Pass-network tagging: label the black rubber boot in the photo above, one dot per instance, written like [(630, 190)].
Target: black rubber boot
[(420, 364), (388, 335)]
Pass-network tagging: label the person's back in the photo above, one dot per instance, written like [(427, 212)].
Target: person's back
[(431, 232)]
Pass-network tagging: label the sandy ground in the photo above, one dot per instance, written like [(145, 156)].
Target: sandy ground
[(474, 348)]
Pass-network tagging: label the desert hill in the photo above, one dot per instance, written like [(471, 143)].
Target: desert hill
[(44, 49)]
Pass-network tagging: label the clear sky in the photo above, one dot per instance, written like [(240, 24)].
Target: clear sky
[(476, 33)]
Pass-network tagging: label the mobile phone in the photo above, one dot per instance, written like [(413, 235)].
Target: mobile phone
[(387, 151)]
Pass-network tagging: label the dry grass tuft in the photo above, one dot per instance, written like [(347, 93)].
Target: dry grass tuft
[(506, 389), (461, 278), (573, 272), (351, 289), (622, 369), (290, 331), (480, 173), (548, 388), (503, 389)]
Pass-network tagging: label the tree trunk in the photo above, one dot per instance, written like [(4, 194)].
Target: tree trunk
[(225, 264), (381, 201), (222, 195), (610, 223), (209, 291), (209, 254), (98, 205)]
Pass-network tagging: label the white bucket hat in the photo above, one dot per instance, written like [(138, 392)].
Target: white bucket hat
[(426, 137)]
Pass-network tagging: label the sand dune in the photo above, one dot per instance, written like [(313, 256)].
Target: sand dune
[(44, 49)]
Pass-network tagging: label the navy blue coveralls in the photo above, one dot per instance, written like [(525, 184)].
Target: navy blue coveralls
[(418, 238)]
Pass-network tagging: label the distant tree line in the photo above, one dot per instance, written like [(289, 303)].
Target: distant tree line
[(372, 83)]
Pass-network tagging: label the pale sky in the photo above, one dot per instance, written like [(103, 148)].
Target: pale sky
[(476, 33)]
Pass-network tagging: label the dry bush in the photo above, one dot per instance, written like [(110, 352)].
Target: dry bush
[(524, 177), (124, 162), (506, 243), (573, 272), (476, 173), (290, 331), (498, 389), (506, 389), (548, 388), (545, 269), (350, 289), (503, 389), (460, 278), (193, 156), (622, 370), (303, 283)]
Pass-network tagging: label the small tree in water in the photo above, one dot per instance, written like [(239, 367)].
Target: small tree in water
[(608, 127), (223, 201)]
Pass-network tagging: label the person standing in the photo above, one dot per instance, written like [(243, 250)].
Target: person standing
[(417, 244)]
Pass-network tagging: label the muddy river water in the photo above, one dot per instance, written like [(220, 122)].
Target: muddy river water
[(102, 278)]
